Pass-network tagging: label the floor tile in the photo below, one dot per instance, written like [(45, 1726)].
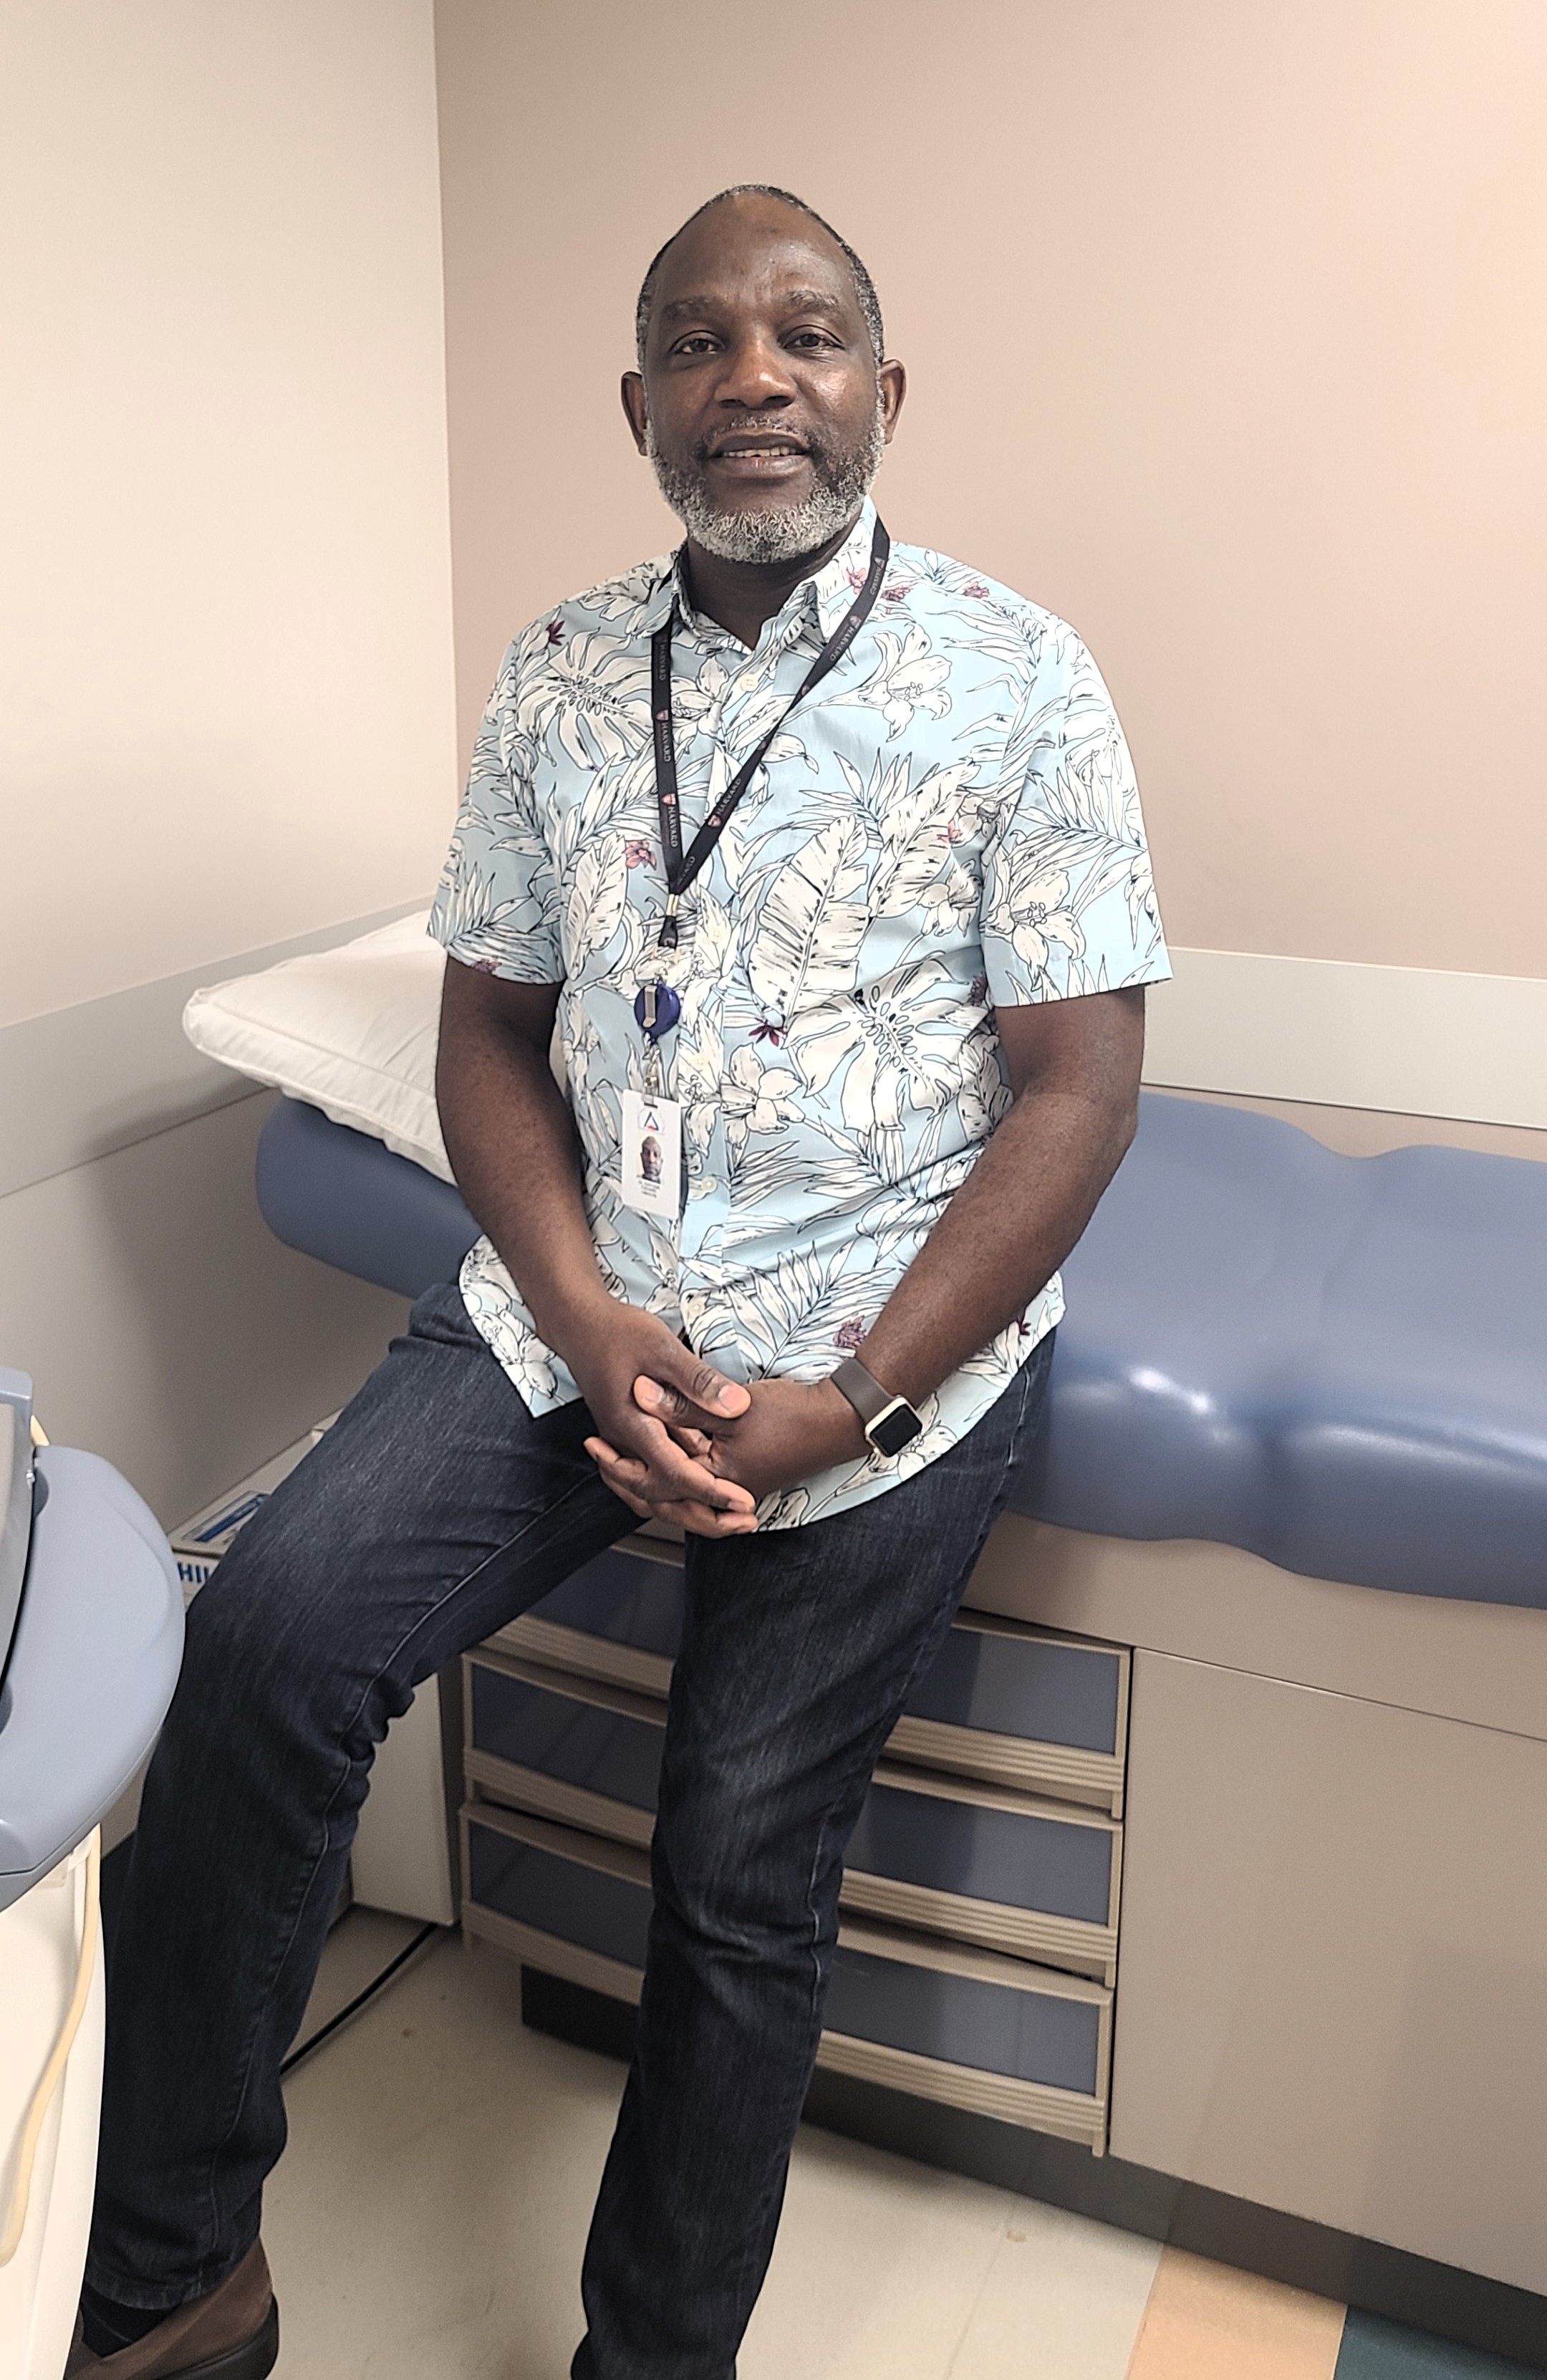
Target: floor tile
[(1063, 2300), (1373, 2349), (1208, 2322), (877, 2267), (427, 2218)]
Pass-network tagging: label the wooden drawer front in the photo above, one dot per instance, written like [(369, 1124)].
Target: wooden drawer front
[(564, 1745), (1038, 1878), (619, 1619), (966, 2027), (1019, 1705)]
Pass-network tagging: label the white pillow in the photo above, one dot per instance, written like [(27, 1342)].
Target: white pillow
[(351, 1030)]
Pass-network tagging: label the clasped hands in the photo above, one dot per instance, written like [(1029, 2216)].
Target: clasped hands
[(677, 1441)]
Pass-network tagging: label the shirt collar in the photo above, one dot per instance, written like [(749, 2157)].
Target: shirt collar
[(818, 603), (836, 584)]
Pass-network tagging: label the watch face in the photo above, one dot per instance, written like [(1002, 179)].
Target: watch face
[(894, 1429)]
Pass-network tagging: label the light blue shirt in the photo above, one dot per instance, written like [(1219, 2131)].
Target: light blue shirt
[(948, 825)]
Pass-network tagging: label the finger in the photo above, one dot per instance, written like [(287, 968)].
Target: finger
[(677, 1474), (699, 1384), (626, 1467), (623, 1476), (630, 1478), (703, 1523), (615, 1477), (668, 1404), (634, 1474)]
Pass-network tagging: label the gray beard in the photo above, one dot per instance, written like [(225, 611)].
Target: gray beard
[(778, 532)]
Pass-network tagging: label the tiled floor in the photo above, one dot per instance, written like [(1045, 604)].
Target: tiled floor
[(428, 2220)]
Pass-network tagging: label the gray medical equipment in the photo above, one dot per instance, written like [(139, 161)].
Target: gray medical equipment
[(90, 1640)]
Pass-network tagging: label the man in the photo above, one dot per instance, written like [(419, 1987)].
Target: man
[(826, 856)]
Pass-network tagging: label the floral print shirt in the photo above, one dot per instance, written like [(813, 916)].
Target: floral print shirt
[(948, 824)]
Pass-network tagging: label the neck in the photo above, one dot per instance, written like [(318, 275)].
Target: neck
[(742, 595)]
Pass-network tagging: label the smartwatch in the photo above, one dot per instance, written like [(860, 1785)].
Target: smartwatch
[(890, 1423)]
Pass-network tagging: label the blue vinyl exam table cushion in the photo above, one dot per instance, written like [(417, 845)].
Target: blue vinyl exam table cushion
[(1339, 1363)]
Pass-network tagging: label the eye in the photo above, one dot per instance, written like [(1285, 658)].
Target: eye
[(697, 342), (812, 341)]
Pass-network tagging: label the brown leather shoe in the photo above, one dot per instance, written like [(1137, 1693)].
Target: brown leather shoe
[(232, 2334)]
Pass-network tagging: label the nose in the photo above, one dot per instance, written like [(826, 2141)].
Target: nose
[(754, 375)]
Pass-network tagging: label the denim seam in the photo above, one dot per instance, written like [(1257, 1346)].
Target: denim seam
[(325, 1815), (1011, 1464), (920, 1658)]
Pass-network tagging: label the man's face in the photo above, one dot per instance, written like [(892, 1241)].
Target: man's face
[(761, 405)]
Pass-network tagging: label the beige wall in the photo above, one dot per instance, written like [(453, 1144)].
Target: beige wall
[(224, 607), (1228, 334), (226, 691)]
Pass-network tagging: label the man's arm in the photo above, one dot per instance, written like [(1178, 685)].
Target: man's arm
[(1073, 1067), (511, 1141)]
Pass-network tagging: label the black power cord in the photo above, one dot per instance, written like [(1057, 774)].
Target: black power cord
[(377, 1983)]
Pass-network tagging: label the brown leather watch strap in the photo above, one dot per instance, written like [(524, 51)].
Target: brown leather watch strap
[(862, 1388)]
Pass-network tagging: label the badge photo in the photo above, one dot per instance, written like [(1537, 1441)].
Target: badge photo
[(651, 1162)]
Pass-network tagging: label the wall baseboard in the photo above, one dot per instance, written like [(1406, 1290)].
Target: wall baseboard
[(1398, 1041)]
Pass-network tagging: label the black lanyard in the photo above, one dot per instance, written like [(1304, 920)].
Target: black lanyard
[(682, 870)]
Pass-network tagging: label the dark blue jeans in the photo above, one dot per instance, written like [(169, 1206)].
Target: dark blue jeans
[(434, 1510)]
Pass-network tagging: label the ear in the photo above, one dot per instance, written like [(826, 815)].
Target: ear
[(893, 380), (636, 408)]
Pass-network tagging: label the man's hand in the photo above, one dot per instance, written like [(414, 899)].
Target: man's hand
[(608, 1352), (788, 1430)]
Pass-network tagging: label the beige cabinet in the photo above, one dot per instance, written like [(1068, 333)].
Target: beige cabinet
[(1332, 1985)]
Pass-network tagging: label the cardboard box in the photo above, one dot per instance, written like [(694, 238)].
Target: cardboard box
[(201, 1542)]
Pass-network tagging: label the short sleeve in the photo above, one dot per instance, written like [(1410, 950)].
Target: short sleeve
[(497, 908), (1068, 901)]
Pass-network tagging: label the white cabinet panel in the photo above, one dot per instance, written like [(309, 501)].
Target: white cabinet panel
[(1332, 1989)]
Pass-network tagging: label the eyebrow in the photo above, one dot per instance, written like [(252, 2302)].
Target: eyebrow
[(796, 301)]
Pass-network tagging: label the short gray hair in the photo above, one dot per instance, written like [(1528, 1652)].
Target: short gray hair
[(864, 287)]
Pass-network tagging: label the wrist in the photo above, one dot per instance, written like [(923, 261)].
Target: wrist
[(849, 1431), (574, 1318), (888, 1420)]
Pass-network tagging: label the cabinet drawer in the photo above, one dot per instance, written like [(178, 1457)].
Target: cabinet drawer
[(1006, 1702), (1038, 1878), (618, 1618), (965, 2027), (543, 1890), (999, 2036), (571, 1748), (1019, 1705)]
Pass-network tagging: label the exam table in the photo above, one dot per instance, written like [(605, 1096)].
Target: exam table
[(1214, 1844)]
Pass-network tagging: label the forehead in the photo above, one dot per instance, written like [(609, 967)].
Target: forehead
[(748, 251)]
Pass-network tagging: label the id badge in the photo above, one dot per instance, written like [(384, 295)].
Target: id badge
[(652, 1154)]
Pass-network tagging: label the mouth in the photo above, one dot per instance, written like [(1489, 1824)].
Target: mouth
[(757, 454)]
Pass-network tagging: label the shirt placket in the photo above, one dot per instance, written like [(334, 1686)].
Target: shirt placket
[(704, 1215)]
